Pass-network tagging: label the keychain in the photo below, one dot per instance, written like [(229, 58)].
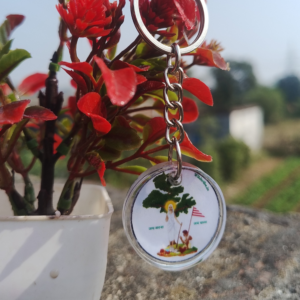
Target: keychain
[(174, 214)]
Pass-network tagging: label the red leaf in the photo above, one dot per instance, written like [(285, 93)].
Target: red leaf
[(72, 104), (198, 89), (140, 78), (14, 21), (79, 80), (57, 141), (190, 110), (187, 11), (114, 40), (118, 64), (154, 130), (143, 88), (165, 33), (39, 113), (5, 88), (73, 83), (83, 67), (90, 105), (120, 84), (188, 149), (95, 160), (210, 58), (13, 112), (101, 171), (33, 83)]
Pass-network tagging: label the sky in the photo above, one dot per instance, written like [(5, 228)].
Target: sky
[(263, 32)]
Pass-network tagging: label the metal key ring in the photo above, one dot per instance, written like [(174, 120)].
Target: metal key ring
[(151, 41)]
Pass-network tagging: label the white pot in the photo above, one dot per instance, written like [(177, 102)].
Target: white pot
[(64, 258)]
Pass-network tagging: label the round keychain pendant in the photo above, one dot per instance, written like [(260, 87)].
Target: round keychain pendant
[(174, 214), (174, 227)]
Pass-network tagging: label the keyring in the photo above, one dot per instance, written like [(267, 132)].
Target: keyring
[(151, 41)]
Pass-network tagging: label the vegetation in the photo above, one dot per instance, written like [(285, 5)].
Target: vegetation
[(98, 129), (276, 191)]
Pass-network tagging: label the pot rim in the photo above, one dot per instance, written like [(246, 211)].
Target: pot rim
[(70, 217)]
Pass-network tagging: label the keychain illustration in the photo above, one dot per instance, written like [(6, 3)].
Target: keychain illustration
[(174, 214)]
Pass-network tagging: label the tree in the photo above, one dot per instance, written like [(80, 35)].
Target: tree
[(290, 87), (271, 101), (231, 86), (157, 199)]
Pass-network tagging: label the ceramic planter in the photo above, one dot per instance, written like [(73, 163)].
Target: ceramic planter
[(64, 258)]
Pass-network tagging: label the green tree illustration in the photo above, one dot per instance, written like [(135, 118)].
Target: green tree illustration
[(165, 192)]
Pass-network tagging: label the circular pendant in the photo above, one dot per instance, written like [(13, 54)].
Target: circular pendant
[(174, 227)]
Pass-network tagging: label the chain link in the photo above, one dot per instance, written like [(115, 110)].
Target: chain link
[(172, 105)]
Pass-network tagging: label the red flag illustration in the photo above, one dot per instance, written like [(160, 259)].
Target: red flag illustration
[(197, 213)]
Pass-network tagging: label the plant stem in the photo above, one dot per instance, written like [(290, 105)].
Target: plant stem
[(139, 109), (122, 53), (14, 138), (188, 66), (53, 101), (136, 155), (73, 50)]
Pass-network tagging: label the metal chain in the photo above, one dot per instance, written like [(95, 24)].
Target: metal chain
[(172, 105)]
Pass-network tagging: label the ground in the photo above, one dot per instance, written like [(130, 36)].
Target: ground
[(258, 258)]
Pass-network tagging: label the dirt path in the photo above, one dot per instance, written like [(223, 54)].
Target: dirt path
[(257, 170)]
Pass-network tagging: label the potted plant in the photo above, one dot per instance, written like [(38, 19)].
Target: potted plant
[(45, 252)]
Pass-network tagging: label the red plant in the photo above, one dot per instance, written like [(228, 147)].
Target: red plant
[(118, 103)]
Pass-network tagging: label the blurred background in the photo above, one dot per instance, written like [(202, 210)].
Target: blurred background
[(253, 130)]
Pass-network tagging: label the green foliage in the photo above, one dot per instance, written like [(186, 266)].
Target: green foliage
[(290, 87), (234, 156), (213, 168), (121, 136), (231, 86), (5, 48), (161, 182), (287, 198), (3, 33), (261, 187), (271, 100), (11, 60), (184, 205), (157, 199)]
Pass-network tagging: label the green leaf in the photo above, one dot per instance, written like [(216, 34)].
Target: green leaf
[(5, 48), (156, 64), (63, 149), (142, 49), (3, 33), (137, 170), (111, 53), (10, 60), (158, 94), (65, 200), (161, 159), (140, 119), (121, 136), (33, 146), (29, 194), (12, 97), (109, 154)]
